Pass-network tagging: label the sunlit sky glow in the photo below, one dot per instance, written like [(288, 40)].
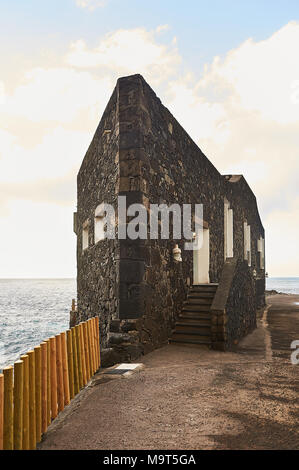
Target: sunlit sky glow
[(227, 70)]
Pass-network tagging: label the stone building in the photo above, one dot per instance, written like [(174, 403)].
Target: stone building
[(142, 292)]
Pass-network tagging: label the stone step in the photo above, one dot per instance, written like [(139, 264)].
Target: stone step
[(207, 288), (208, 295), (195, 322), (118, 338), (211, 285), (202, 295), (198, 301), (202, 341), (183, 328), (190, 335), (191, 307), (185, 316)]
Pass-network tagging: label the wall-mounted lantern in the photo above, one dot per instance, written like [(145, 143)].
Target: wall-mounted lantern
[(177, 253)]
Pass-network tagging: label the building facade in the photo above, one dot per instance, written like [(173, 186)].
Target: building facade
[(139, 288)]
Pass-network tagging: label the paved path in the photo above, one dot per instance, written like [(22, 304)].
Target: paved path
[(189, 398)]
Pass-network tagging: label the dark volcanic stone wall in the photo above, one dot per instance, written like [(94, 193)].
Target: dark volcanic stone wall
[(241, 305), (178, 173), (98, 265), (140, 151), (233, 311)]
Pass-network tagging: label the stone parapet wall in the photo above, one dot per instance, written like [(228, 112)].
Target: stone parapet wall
[(234, 306)]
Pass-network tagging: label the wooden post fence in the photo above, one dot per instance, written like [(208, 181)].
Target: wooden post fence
[(44, 381)]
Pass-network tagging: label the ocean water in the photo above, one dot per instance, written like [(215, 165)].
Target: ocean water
[(32, 310), (287, 285)]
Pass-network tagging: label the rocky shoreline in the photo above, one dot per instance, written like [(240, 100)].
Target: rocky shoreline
[(275, 292)]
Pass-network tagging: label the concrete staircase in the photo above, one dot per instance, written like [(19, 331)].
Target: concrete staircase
[(194, 323)]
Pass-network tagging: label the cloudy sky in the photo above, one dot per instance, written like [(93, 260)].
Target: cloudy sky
[(228, 71)]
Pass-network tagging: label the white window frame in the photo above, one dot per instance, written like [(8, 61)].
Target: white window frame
[(247, 243), (85, 235), (261, 251), (228, 231), (99, 225)]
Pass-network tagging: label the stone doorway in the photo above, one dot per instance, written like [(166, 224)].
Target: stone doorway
[(201, 260)]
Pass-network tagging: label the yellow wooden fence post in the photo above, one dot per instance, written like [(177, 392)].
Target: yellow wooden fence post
[(82, 354), (48, 382), (38, 392), (70, 360), (25, 444), (86, 350), (89, 347), (60, 394), (65, 370), (90, 340), (53, 377), (98, 340), (96, 351), (8, 408), (44, 387), (75, 358), (1, 409), (18, 405), (32, 411), (79, 355), (93, 345)]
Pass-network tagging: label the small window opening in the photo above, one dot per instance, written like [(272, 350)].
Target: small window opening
[(247, 243), (85, 235)]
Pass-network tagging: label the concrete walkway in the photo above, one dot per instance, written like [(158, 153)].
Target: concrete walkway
[(190, 398)]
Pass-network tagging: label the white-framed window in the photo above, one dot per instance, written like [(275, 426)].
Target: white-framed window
[(99, 227), (228, 231), (247, 243), (261, 252), (104, 222), (85, 235)]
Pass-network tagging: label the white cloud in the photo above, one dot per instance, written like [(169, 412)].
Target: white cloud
[(2, 93), (37, 240), (56, 94), (162, 27), (283, 233), (91, 5), (259, 76), (59, 152), (127, 52), (243, 112)]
